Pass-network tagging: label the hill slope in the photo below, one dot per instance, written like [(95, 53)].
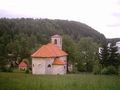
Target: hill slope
[(113, 40), (21, 36), (45, 28)]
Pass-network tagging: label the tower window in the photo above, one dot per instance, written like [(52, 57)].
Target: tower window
[(49, 66), (55, 42)]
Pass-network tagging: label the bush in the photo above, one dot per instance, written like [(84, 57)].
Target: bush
[(109, 70), (81, 67), (3, 69), (6, 69), (97, 69), (119, 70), (27, 71), (10, 70)]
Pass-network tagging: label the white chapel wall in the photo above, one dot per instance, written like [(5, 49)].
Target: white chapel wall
[(58, 69), (49, 61), (38, 66)]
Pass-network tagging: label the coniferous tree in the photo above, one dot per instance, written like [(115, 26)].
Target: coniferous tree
[(104, 56), (109, 59), (114, 56)]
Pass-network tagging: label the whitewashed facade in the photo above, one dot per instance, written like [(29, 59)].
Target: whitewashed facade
[(118, 46), (46, 65)]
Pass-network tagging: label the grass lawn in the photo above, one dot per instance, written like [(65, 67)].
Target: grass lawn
[(22, 81)]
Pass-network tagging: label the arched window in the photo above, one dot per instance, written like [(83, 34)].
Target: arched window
[(55, 41), (33, 65), (64, 67), (49, 66)]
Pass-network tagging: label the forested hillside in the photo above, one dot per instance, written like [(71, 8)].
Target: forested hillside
[(113, 40), (20, 37)]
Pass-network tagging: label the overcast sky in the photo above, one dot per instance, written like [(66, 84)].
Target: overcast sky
[(102, 15)]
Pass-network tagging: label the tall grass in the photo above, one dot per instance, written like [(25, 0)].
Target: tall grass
[(20, 81)]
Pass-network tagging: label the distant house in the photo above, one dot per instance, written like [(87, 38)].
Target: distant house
[(50, 58), (23, 66), (109, 44), (118, 46)]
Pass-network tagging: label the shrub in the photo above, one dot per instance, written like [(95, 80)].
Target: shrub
[(104, 71), (119, 70), (81, 67), (97, 69), (109, 70), (3, 69), (10, 70), (27, 71), (6, 69)]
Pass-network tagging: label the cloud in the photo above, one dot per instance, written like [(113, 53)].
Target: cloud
[(103, 15), (116, 15), (114, 25)]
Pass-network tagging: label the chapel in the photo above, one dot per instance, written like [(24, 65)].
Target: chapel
[(50, 58)]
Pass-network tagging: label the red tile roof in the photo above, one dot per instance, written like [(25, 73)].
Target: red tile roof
[(49, 50), (22, 64), (57, 61)]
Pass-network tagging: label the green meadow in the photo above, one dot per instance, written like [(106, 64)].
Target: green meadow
[(22, 81)]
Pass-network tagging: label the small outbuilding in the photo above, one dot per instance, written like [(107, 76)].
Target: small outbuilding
[(23, 66)]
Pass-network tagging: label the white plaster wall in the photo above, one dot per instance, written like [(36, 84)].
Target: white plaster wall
[(58, 69), (48, 70), (118, 50), (38, 66), (64, 58), (99, 49), (41, 65), (118, 45)]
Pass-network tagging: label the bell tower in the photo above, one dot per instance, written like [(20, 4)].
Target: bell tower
[(57, 39)]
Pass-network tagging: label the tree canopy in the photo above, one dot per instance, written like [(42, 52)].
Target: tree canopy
[(21, 37)]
